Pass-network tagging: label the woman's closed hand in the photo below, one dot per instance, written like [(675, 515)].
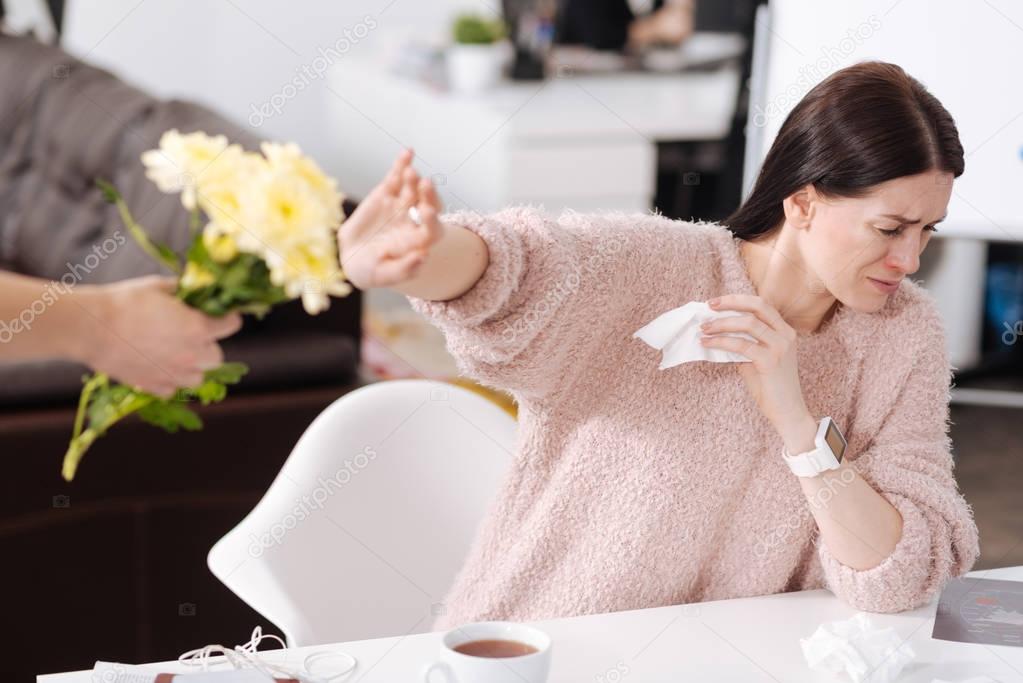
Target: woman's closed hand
[(773, 375)]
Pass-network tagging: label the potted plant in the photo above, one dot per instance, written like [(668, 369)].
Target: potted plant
[(475, 59)]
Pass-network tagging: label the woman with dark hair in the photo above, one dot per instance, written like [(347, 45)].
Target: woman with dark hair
[(633, 487)]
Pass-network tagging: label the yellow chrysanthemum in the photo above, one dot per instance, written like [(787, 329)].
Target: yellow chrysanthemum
[(196, 277), (281, 207), (222, 185), (309, 271), (180, 161), (281, 210), (220, 245), (288, 159)]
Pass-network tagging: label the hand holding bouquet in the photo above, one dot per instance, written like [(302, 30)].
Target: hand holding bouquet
[(263, 233)]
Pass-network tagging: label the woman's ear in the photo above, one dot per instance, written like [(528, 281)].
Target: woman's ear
[(799, 207)]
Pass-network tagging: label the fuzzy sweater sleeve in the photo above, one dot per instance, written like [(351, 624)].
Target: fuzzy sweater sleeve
[(909, 462), (535, 314)]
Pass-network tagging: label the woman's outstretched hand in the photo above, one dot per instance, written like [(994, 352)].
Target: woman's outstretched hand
[(381, 246)]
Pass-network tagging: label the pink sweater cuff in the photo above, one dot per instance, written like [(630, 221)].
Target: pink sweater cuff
[(515, 328), (490, 294), (900, 582)]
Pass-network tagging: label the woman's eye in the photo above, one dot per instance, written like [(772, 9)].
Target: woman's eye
[(895, 232)]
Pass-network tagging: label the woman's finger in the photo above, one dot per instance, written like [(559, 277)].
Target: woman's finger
[(431, 228), (409, 194), (399, 269), (752, 304), (752, 350), (392, 181), (748, 323), (399, 243), (429, 211), (428, 194)]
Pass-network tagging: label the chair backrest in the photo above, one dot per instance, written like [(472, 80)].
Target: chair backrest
[(368, 521)]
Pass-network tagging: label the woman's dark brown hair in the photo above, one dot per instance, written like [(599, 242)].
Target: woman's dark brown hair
[(861, 126)]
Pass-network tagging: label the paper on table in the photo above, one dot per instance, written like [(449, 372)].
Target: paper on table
[(127, 673), (988, 611), (854, 646), (677, 334)]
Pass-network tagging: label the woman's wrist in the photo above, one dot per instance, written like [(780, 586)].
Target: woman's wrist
[(453, 266), (798, 434)]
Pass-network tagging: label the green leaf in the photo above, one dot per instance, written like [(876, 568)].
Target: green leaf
[(106, 403), (171, 416), (242, 284), (198, 253), (110, 192), (227, 373), (214, 385), (236, 274), (167, 256), (102, 406), (474, 29), (209, 306), (211, 392)]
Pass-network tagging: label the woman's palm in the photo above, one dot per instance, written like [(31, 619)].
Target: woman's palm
[(380, 244)]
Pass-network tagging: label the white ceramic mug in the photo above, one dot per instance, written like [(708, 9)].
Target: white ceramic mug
[(454, 667)]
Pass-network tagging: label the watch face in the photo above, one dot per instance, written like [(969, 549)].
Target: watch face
[(835, 440)]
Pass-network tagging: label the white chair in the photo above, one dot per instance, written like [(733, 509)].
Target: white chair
[(362, 532)]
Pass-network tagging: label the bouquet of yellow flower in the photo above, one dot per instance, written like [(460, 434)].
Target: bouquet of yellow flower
[(263, 233)]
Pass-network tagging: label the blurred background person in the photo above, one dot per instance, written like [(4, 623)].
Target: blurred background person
[(626, 24)]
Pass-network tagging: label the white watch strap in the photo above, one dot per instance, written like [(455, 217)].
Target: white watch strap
[(811, 463)]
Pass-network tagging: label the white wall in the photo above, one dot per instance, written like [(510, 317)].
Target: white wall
[(968, 54), (232, 55)]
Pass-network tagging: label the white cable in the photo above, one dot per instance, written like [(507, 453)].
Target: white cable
[(247, 656)]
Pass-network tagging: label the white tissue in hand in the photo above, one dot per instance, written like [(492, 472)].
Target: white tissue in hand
[(677, 334), (854, 646)]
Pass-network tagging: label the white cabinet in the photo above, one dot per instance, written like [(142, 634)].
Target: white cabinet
[(584, 142)]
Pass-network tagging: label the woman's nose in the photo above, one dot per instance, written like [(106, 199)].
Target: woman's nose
[(905, 255)]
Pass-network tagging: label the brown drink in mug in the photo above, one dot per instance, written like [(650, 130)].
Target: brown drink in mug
[(492, 652)]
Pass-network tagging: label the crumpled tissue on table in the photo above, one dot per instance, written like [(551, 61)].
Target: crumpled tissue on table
[(855, 646), (676, 333)]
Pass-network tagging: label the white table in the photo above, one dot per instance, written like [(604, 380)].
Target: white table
[(580, 141), (747, 640)]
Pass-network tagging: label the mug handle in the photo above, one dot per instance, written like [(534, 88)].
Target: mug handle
[(443, 667)]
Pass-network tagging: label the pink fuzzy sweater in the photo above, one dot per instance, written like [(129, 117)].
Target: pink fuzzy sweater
[(633, 487)]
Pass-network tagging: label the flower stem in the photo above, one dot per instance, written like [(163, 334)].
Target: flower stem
[(140, 236), (81, 441)]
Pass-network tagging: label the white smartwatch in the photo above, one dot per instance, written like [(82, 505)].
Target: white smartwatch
[(829, 447)]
